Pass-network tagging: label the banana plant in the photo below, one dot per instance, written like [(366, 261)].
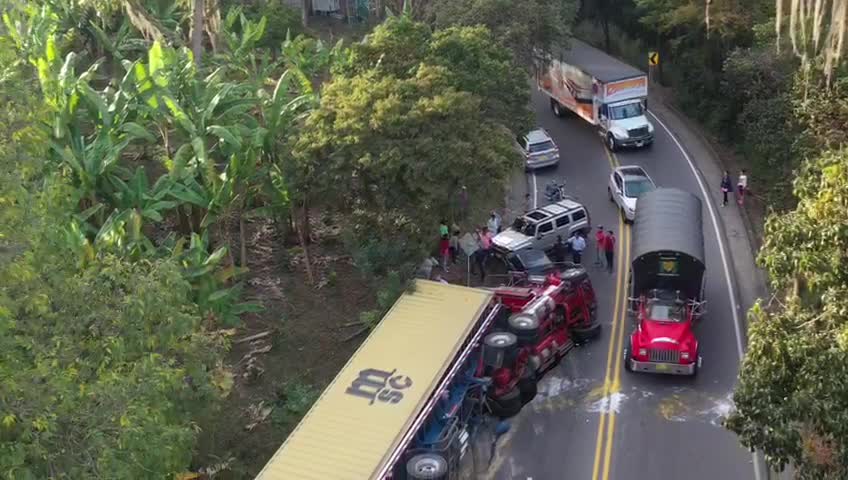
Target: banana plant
[(211, 280)]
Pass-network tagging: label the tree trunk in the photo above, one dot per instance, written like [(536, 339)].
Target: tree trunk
[(303, 232), (197, 31), (304, 12), (242, 242)]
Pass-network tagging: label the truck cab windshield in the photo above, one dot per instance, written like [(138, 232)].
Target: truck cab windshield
[(630, 110)]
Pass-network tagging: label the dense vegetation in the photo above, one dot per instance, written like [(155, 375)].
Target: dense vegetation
[(140, 137), (138, 140), (768, 79)]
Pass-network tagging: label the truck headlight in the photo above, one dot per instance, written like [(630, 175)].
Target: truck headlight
[(643, 352), (684, 355)]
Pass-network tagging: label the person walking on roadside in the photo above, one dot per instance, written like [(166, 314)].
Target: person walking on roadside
[(578, 244), (742, 186), (609, 249), (600, 238), (725, 187)]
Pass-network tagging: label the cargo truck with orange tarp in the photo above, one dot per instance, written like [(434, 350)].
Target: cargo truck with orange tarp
[(604, 91)]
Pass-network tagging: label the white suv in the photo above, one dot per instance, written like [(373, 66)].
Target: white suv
[(626, 185), (539, 149), (538, 229)]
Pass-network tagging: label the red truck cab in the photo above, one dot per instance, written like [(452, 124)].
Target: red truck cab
[(544, 317), (664, 340)]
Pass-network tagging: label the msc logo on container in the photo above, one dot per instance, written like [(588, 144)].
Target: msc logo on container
[(379, 385)]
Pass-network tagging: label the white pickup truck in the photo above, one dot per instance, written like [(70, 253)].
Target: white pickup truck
[(604, 91)]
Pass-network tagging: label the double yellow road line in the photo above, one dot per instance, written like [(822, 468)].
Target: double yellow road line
[(612, 377)]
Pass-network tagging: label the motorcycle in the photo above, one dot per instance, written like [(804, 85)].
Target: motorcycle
[(554, 191)]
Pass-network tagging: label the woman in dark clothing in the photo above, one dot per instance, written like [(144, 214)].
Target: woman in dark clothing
[(725, 187)]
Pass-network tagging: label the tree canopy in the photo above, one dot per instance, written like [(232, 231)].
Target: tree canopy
[(792, 399)]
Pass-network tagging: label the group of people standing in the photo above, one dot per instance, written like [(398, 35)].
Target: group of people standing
[(741, 187), (604, 248), (449, 243)]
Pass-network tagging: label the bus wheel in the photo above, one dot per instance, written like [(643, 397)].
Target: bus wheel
[(427, 466)]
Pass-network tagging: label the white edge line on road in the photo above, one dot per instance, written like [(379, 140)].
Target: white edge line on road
[(740, 348), (533, 176)]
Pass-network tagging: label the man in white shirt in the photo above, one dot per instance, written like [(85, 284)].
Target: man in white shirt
[(578, 244)]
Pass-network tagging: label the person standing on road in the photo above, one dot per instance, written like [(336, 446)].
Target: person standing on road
[(725, 187), (600, 238), (609, 249), (742, 186), (578, 244)]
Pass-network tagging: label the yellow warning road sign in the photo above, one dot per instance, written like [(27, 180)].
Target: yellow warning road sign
[(654, 58)]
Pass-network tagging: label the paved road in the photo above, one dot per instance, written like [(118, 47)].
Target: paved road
[(662, 426)]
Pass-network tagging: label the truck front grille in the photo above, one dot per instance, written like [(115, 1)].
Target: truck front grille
[(638, 132), (664, 356)]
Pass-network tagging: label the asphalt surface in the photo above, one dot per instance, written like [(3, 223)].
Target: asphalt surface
[(662, 426)]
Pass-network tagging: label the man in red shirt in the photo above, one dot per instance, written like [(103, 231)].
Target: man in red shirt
[(609, 249), (600, 238)]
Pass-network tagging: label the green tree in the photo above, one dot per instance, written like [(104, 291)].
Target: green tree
[(473, 61), (391, 152), (101, 367), (520, 26), (792, 397)]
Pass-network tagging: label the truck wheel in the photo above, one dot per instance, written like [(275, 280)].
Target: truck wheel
[(627, 359), (499, 349), (427, 466), (556, 108), (507, 405), (525, 327), (584, 334), (611, 143)]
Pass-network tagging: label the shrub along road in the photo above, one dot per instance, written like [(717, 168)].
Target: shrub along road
[(592, 419)]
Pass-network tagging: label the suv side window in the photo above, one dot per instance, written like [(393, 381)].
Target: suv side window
[(522, 141), (562, 221), (545, 228), (578, 215)]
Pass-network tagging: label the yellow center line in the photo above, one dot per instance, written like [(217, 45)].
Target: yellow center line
[(616, 382), (599, 444)]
